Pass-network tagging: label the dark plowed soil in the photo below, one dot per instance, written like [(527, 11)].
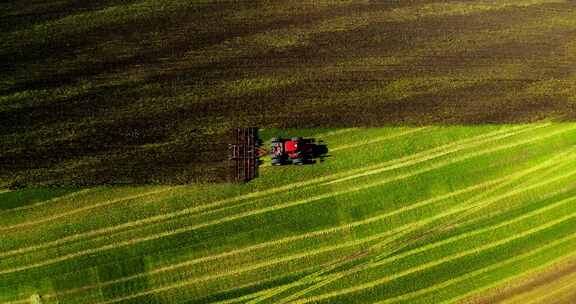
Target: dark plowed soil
[(91, 97)]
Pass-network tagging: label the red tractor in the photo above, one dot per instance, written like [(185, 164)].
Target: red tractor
[(295, 151)]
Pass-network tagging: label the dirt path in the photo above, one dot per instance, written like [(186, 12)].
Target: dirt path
[(528, 283)]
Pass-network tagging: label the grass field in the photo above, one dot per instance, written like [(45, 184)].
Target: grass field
[(387, 218), (449, 126)]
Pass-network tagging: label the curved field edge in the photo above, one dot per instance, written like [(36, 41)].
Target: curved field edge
[(387, 213)]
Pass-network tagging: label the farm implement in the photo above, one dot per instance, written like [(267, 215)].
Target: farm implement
[(245, 153), (247, 149)]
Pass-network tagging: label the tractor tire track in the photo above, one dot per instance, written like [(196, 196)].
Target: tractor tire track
[(431, 246), (429, 157), (337, 276)]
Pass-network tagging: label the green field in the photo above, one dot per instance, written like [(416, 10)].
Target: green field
[(394, 215), (450, 129)]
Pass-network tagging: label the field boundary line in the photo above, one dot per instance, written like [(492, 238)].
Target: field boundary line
[(196, 209), (276, 207)]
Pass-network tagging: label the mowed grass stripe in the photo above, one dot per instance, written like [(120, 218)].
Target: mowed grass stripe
[(46, 202), (281, 260), (84, 209), (538, 228), (457, 147), (192, 210), (280, 206), (378, 139)]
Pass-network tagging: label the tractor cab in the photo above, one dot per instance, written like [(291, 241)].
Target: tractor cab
[(295, 151)]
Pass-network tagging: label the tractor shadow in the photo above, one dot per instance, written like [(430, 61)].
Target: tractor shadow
[(319, 152), (311, 151)]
